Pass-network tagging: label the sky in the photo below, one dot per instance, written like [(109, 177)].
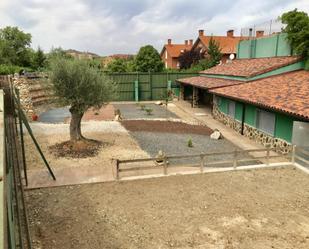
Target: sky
[(110, 27)]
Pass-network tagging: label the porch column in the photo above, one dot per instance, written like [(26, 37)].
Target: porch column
[(195, 97), (181, 92)]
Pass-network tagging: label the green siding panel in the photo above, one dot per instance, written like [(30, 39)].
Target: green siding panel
[(284, 49), (275, 45), (266, 47), (250, 115), (284, 127), (223, 107), (238, 111)]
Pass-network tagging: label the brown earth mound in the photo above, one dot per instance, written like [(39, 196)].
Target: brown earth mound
[(77, 149), (165, 126)]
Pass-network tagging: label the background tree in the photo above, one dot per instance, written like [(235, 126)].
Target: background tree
[(80, 86), (189, 58), (39, 59), (15, 47), (148, 60), (297, 29), (213, 54), (118, 65)]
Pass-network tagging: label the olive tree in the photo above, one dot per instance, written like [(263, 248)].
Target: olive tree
[(80, 86)]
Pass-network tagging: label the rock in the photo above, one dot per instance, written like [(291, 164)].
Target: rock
[(158, 102), (216, 135)]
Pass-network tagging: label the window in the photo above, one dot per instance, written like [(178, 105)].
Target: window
[(265, 121), (231, 108), (177, 64)]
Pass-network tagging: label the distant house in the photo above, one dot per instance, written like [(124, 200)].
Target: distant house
[(228, 44), (171, 52), (81, 55)]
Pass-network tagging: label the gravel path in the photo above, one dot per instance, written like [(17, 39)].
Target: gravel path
[(177, 144), (89, 126), (133, 111)]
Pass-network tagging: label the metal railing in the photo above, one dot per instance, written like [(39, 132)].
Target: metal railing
[(268, 28), (206, 161)]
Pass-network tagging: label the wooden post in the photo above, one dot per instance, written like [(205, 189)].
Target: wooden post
[(293, 154), (235, 160), (202, 164), (165, 166), (117, 169), (267, 155)]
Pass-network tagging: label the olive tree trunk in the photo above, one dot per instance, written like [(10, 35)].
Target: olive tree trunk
[(75, 125)]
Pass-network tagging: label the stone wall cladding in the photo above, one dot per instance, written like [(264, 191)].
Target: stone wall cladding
[(277, 144), (33, 92)]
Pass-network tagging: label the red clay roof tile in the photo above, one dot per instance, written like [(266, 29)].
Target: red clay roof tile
[(228, 45), (251, 67), (207, 82), (287, 92), (174, 50)]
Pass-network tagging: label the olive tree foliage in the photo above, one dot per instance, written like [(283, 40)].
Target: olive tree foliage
[(297, 29), (80, 86)]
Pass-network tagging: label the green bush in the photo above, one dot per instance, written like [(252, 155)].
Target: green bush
[(9, 69), (148, 111)]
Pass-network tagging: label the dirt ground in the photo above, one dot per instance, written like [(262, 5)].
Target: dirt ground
[(119, 145), (256, 209), (165, 126)]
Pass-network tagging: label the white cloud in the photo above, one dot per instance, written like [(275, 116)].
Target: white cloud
[(119, 26)]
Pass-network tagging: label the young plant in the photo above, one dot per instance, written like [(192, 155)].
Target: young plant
[(190, 143), (149, 111), (142, 106)]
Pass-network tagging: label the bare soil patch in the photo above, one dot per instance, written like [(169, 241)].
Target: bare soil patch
[(258, 209), (165, 126), (77, 149)]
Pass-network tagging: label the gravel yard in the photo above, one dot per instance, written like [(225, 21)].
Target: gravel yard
[(257, 209), (134, 111)]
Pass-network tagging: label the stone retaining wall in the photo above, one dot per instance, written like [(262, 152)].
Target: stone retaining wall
[(274, 143), (33, 91)]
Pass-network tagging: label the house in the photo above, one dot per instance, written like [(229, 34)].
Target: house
[(228, 44), (171, 52), (260, 94), (81, 55)]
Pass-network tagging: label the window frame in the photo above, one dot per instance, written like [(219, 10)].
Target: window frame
[(228, 108), (257, 122)]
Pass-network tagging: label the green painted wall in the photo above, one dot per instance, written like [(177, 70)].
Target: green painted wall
[(283, 123), (223, 106), (266, 47), (244, 49), (275, 45), (284, 127), (250, 115), (238, 111)]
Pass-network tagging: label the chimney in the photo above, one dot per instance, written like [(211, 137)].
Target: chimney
[(186, 42), (169, 41), (230, 33), (191, 42), (250, 32), (259, 33), (201, 32)]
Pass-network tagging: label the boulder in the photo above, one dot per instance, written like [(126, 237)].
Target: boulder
[(216, 135)]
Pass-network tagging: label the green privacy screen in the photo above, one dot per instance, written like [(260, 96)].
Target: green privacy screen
[(151, 86)]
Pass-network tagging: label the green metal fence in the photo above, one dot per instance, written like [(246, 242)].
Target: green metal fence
[(146, 86)]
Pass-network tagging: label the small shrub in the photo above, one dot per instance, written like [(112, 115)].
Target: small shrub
[(142, 106), (9, 69), (148, 111), (190, 143)]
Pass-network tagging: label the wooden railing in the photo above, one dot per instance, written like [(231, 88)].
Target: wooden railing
[(238, 156)]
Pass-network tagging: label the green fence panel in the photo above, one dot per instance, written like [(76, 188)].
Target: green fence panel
[(151, 86)]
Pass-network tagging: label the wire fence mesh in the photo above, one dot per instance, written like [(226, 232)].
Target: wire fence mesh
[(267, 28)]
